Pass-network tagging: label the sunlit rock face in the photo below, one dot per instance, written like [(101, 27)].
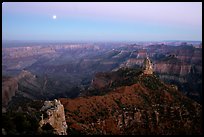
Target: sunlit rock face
[(174, 69), (148, 69), (54, 115)]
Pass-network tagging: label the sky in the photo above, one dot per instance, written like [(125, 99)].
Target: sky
[(102, 21)]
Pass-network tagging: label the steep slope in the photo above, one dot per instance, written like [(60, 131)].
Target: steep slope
[(136, 104), (9, 89), (25, 84), (29, 85)]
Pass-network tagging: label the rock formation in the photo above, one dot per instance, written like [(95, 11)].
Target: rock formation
[(147, 66), (54, 116)]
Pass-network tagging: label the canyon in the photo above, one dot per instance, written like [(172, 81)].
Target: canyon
[(70, 68)]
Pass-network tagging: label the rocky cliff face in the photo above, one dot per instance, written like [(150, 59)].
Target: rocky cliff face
[(147, 67), (187, 76), (53, 115), (172, 69)]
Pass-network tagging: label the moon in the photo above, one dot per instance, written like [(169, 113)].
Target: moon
[(54, 17)]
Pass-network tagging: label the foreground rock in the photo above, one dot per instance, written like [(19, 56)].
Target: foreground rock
[(53, 115)]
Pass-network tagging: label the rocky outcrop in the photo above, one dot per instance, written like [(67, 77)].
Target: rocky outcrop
[(53, 114), (148, 69)]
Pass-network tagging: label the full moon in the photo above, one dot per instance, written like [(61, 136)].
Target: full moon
[(54, 17)]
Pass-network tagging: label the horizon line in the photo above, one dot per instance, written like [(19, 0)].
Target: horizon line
[(101, 40)]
